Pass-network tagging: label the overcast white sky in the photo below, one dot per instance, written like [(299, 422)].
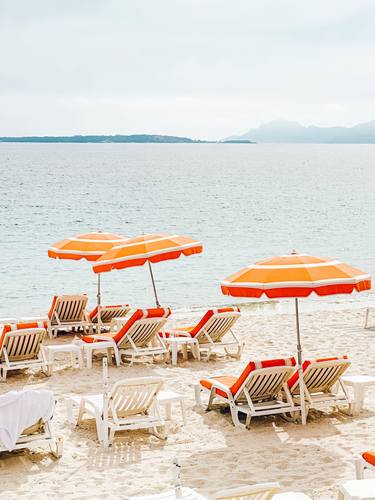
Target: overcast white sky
[(200, 68)]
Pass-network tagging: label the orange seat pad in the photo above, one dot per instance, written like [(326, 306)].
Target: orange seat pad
[(227, 380), (91, 338), (369, 456)]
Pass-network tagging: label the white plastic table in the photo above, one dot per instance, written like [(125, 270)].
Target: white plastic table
[(186, 494), (175, 342), (359, 384), (89, 347), (363, 489), (166, 398), (74, 350)]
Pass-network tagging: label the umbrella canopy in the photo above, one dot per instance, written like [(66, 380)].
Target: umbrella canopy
[(150, 248), (296, 275), (89, 246)]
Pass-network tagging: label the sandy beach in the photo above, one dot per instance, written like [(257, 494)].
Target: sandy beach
[(213, 453)]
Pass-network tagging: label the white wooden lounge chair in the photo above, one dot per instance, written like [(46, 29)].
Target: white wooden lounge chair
[(255, 392), (37, 434), (322, 380), (67, 311), (264, 491), (135, 337), (365, 461), (130, 404), (107, 314), (209, 333), (21, 347)]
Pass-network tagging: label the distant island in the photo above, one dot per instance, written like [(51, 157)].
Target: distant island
[(283, 131), (136, 138)]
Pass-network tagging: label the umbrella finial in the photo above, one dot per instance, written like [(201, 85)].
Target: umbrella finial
[(294, 252)]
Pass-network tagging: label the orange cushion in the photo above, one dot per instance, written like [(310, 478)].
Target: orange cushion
[(20, 326), (235, 383), (91, 338), (294, 378), (52, 308), (369, 456), (157, 312)]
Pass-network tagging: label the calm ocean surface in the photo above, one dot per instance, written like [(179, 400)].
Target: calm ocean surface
[(244, 202)]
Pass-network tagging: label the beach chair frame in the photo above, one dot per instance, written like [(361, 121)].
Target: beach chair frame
[(259, 394), (68, 312), (22, 349), (360, 466), (210, 336), (136, 341), (37, 434), (321, 381), (264, 491), (131, 404), (108, 314)]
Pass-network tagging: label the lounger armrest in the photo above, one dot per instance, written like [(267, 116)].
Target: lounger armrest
[(179, 333), (222, 387), (102, 337)]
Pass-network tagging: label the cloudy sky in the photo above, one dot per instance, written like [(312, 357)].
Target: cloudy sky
[(200, 68)]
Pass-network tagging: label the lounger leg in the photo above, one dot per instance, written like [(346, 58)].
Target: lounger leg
[(89, 353), (81, 412), (248, 420), (168, 411), (117, 355), (234, 413), (57, 449), (161, 434), (197, 392), (4, 373), (212, 397), (359, 469), (184, 352), (174, 354)]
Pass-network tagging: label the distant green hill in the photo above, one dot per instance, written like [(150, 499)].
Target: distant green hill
[(141, 138)]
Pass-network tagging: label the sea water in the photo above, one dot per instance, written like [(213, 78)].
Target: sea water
[(244, 202)]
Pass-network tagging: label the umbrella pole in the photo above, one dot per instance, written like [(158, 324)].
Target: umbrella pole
[(153, 284), (300, 371), (98, 298)]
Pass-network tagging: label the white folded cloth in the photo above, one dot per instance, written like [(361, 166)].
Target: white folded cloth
[(20, 410)]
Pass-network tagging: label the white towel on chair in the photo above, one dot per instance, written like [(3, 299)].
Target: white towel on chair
[(20, 410)]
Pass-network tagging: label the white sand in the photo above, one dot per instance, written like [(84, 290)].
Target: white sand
[(214, 455)]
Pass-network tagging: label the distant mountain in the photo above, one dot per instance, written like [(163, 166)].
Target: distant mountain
[(141, 138), (283, 131)]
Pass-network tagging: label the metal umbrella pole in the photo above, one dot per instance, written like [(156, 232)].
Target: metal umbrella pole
[(300, 371), (98, 299), (153, 284)]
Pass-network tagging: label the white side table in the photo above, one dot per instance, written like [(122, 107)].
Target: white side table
[(359, 384), (166, 398), (364, 489), (74, 350), (90, 347), (175, 342)]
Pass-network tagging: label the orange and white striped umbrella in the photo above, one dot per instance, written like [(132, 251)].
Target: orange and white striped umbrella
[(150, 248), (295, 275), (90, 246)]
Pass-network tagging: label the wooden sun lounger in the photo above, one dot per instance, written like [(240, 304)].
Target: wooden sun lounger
[(255, 392), (67, 311), (130, 404), (135, 338), (21, 347), (107, 314), (209, 333), (322, 379)]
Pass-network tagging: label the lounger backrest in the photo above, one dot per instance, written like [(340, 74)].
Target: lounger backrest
[(133, 396), (22, 325), (24, 344), (264, 491), (68, 308), (215, 323), (107, 313), (263, 379), (142, 327), (320, 375)]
